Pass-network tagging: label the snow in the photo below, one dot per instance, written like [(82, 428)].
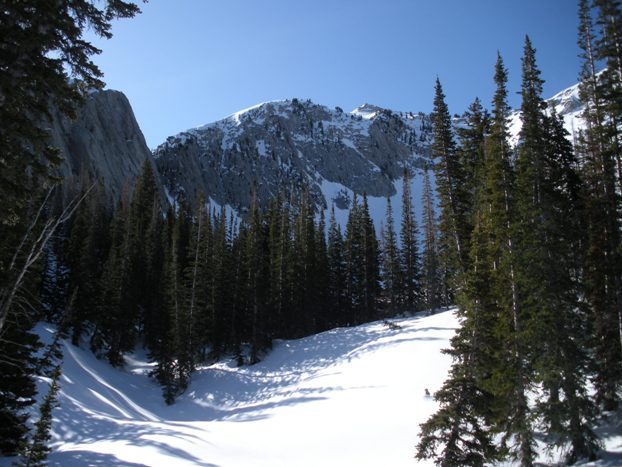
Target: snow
[(261, 147), (366, 111), (350, 396), (378, 205)]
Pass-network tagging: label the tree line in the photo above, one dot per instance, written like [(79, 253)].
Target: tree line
[(194, 284), (532, 239)]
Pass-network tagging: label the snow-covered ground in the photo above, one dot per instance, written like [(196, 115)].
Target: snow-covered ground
[(346, 397)]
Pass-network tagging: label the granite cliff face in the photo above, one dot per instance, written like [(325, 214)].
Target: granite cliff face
[(286, 144), (104, 142)]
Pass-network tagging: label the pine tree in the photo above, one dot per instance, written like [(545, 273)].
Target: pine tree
[(38, 449), (17, 388), (220, 286), (354, 255), (391, 265), (115, 327), (256, 281), (321, 276), (336, 273), (431, 273), (87, 248), (472, 139), (411, 263), (546, 185), (450, 183), (602, 268), (511, 375), (371, 263)]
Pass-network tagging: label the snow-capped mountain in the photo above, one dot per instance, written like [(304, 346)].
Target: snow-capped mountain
[(281, 145), (566, 104), (284, 144)]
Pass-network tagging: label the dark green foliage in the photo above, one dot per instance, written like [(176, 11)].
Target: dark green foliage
[(432, 278), (411, 261), (37, 451), (540, 296), (450, 186), (17, 388), (599, 147), (336, 274), (391, 265)]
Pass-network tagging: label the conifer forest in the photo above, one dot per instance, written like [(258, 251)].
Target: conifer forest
[(524, 239)]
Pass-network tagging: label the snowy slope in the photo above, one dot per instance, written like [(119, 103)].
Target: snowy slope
[(344, 397)]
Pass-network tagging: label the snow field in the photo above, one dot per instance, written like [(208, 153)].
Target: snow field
[(352, 396)]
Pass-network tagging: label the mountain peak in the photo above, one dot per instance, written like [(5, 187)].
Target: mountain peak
[(367, 111)]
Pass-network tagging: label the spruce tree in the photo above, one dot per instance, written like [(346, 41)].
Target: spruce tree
[(450, 183), (431, 271), (391, 265), (602, 267), (512, 373), (321, 276), (371, 263), (17, 388), (37, 451), (336, 273), (354, 255), (546, 260), (411, 262), (115, 326)]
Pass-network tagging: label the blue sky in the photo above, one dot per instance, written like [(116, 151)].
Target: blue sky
[(185, 63)]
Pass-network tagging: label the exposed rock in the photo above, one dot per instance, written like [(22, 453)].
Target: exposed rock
[(104, 142), (281, 146)]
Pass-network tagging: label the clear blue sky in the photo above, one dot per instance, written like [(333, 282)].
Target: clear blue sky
[(184, 63)]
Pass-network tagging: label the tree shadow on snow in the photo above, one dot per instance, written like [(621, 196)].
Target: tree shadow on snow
[(220, 392)]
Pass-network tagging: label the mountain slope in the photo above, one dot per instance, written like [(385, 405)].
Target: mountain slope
[(349, 396), (281, 145)]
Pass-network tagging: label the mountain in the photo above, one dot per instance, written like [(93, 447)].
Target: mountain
[(104, 142), (276, 146), (281, 145)]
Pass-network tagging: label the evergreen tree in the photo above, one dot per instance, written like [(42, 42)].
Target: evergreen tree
[(431, 273), (546, 185), (17, 388), (411, 263), (336, 273), (256, 281), (602, 267), (450, 183), (371, 263), (38, 449), (321, 276), (391, 265), (354, 255), (511, 374), (472, 138), (87, 248), (115, 327)]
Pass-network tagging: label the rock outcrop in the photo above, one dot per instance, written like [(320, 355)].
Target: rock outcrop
[(103, 142), (281, 146)]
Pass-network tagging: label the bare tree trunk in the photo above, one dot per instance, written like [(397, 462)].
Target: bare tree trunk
[(37, 245)]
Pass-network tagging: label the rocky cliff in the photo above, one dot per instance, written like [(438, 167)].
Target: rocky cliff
[(104, 142), (279, 146)]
